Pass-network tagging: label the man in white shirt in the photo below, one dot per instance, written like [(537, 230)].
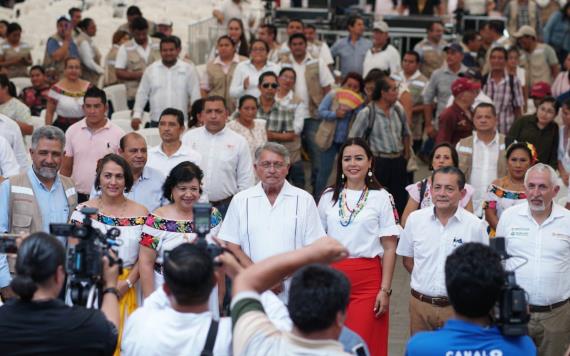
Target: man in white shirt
[(382, 55), (482, 156), (226, 159), (537, 234), (314, 80), (166, 84), (274, 207), (8, 164), (11, 132), (171, 151), (430, 235)]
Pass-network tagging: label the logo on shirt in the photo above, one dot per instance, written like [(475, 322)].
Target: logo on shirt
[(457, 242), (474, 353)]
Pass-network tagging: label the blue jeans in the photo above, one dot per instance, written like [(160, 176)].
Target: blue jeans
[(296, 174), (325, 168), (308, 138)]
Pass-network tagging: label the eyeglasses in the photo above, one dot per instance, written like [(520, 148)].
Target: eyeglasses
[(267, 165), (268, 85)]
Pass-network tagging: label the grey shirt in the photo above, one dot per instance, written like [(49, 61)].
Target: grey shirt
[(439, 87), (387, 132), (351, 55)]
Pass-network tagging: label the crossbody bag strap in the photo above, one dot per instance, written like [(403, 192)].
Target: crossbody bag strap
[(210, 339)]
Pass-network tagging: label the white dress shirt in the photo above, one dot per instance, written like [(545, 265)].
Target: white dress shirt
[(323, 52), (388, 58), (429, 243), (87, 55), (301, 90), (158, 160), (246, 69), (362, 236), (545, 248), (226, 161), (8, 163), (484, 169), (167, 87), (301, 110), (121, 60), (10, 130), (264, 230)]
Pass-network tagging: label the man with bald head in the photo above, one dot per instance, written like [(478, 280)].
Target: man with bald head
[(148, 181)]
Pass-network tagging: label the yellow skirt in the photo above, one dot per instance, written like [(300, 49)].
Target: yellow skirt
[(127, 305)]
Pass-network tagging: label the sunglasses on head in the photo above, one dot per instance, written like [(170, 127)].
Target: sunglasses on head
[(268, 85)]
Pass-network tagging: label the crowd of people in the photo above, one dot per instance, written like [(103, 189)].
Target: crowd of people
[(301, 165)]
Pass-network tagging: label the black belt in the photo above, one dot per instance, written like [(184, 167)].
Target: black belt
[(546, 308), (437, 301)]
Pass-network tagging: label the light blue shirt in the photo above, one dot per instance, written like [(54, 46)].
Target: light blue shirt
[(351, 55), (146, 191), (52, 204)]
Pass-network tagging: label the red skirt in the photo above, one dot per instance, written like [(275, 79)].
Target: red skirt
[(365, 276)]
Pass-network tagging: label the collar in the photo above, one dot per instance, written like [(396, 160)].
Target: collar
[(218, 60), (557, 212), (219, 133), (457, 108), (158, 148), (458, 214), (495, 139), (308, 58), (462, 69), (286, 190), (35, 180), (83, 124), (333, 346), (176, 65)]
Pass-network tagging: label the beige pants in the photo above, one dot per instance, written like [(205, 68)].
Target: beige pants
[(427, 317), (550, 331)]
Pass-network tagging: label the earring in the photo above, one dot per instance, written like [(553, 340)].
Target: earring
[(369, 172), (342, 177)]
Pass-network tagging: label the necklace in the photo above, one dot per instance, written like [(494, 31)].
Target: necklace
[(346, 214), (102, 207)]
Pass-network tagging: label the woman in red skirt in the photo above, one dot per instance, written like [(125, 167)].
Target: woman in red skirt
[(361, 215)]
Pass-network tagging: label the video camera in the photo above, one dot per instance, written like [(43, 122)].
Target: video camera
[(511, 312), (84, 260), (202, 215)]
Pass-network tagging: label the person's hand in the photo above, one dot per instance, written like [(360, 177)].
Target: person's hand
[(68, 33), (246, 83), (329, 250), (340, 112), (431, 132), (564, 177), (135, 123), (381, 304), (110, 273), (123, 287), (278, 288), (230, 264)]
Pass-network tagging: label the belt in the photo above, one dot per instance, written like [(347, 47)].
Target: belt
[(158, 268), (437, 301), (221, 202), (547, 308), (388, 155)]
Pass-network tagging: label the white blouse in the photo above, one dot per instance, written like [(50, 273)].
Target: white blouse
[(362, 236)]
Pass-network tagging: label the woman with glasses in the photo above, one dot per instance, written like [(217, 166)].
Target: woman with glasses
[(114, 178), (244, 122), (360, 214), (246, 75), (172, 225)]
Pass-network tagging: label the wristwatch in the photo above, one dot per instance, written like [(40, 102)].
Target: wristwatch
[(387, 291), (113, 290)]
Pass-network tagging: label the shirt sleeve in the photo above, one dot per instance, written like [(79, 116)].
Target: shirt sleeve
[(8, 164), (193, 84), (236, 86), (551, 58), (313, 227), (4, 272), (5, 203), (324, 204), (301, 112), (405, 245), (68, 145), (52, 46), (388, 217), (230, 230), (360, 123), (519, 98), (325, 76), (245, 177), (325, 54), (121, 59), (445, 130), (86, 54), (413, 192), (143, 93), (429, 92), (325, 110)]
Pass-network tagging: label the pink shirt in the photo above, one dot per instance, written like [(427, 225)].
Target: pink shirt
[(87, 147), (414, 192)]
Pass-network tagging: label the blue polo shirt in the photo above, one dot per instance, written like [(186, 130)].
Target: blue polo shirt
[(351, 54), (460, 338)]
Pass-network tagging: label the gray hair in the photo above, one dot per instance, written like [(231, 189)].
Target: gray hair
[(541, 167), (47, 132), (275, 148)]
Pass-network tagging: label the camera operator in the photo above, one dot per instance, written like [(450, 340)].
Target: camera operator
[(474, 277), (39, 323)]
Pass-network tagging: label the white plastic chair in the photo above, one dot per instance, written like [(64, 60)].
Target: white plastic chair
[(21, 83), (151, 136), (36, 122), (121, 115), (117, 94), (123, 124)]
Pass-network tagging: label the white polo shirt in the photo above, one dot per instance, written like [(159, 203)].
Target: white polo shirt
[(362, 236), (226, 161), (429, 243), (264, 230), (244, 70), (546, 275), (158, 160)]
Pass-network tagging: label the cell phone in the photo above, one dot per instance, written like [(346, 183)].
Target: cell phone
[(8, 243)]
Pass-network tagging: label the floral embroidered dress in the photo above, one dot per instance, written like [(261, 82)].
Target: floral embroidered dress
[(500, 199)]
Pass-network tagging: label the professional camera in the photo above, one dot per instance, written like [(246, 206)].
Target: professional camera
[(84, 260), (511, 313), (202, 215), (8, 243)]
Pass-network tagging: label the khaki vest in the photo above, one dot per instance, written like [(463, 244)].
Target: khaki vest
[(110, 77), (313, 84), (50, 63), (135, 63), (432, 59), (220, 81), (9, 53), (25, 215), (294, 146), (86, 73), (465, 152), (514, 14)]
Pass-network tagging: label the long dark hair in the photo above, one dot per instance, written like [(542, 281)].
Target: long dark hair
[(243, 49), (371, 182)]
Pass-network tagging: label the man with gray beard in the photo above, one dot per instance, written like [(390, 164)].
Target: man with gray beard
[(40, 196)]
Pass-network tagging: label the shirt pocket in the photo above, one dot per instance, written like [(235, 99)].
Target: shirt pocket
[(21, 223)]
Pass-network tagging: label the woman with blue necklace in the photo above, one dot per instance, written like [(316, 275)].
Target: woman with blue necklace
[(360, 214)]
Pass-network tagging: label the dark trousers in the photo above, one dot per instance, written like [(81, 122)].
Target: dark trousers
[(82, 198), (296, 174), (392, 174), (308, 139)]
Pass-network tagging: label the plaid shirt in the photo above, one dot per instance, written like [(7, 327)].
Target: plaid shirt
[(505, 104), (279, 119)]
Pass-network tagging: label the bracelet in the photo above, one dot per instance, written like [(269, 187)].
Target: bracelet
[(387, 291), (112, 290), (129, 283)]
